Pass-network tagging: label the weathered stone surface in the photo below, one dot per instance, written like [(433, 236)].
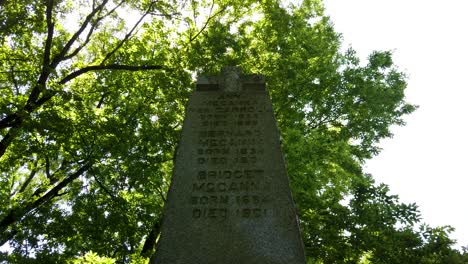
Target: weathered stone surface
[(230, 201)]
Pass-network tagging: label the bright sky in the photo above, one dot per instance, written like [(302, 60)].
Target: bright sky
[(425, 160)]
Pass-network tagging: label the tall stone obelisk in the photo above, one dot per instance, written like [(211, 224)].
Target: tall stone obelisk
[(229, 200)]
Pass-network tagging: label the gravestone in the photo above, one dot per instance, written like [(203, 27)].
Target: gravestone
[(229, 200)]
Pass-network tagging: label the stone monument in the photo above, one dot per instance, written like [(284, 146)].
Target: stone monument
[(229, 200)]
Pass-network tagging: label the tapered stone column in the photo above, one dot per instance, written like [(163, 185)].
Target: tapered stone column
[(229, 200)]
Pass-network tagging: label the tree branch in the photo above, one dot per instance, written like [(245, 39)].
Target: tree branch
[(50, 35), (127, 36), (51, 176), (17, 213), (208, 21), (6, 141), (6, 236), (112, 10), (47, 167), (150, 241), (79, 72), (161, 194), (28, 180), (103, 187), (61, 194), (15, 82), (8, 121), (101, 101), (62, 55), (79, 48), (91, 30), (14, 120), (46, 59)]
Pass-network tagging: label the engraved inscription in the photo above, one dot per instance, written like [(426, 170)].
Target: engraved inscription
[(231, 180)]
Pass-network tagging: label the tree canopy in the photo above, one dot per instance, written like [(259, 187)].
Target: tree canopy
[(93, 95)]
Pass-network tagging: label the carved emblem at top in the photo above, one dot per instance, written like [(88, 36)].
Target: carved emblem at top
[(231, 80)]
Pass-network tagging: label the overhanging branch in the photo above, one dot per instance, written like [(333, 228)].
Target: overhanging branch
[(46, 59), (94, 25), (127, 36), (79, 72), (19, 212), (50, 34), (192, 38), (62, 55)]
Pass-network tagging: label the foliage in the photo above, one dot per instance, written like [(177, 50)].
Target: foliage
[(92, 104), (92, 257)]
